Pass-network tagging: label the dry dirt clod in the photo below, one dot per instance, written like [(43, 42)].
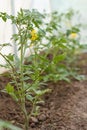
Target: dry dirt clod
[(32, 125), (34, 120), (42, 117)]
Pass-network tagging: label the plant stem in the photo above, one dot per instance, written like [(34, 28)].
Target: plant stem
[(7, 61), (22, 88), (26, 121), (33, 107)]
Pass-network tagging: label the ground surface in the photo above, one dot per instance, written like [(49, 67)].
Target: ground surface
[(65, 107)]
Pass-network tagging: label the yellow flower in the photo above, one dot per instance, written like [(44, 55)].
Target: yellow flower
[(73, 35), (34, 35)]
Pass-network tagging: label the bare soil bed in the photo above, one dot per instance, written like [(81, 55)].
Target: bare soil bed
[(65, 107)]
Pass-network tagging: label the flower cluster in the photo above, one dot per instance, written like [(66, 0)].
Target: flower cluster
[(34, 35)]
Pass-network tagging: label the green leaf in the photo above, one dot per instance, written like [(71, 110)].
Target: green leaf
[(10, 57), (10, 90), (26, 78), (80, 77), (5, 44), (29, 97), (42, 92), (15, 37), (60, 57), (4, 16), (5, 66), (5, 124)]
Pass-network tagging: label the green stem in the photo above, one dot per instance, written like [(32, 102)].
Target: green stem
[(21, 67), (21, 74), (26, 121), (22, 87), (33, 108), (7, 61)]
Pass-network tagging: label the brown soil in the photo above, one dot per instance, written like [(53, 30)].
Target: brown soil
[(65, 107)]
